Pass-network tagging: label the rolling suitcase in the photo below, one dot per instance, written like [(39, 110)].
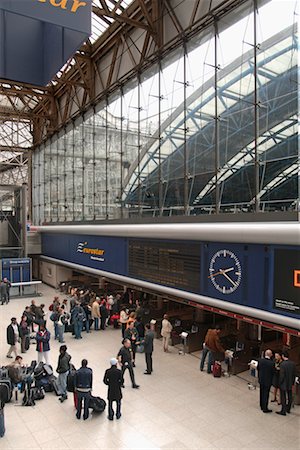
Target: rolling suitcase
[(71, 379), (2, 425), (55, 386), (48, 370), (5, 390), (39, 371), (217, 369)]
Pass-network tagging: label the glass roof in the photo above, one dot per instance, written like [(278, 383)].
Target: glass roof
[(233, 85)]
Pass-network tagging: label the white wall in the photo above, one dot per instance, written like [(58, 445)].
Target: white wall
[(53, 274)]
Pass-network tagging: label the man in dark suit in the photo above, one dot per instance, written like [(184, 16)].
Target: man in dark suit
[(113, 378), (266, 370), (148, 346), (287, 378)]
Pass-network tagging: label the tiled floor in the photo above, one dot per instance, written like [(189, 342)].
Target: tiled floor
[(178, 407)]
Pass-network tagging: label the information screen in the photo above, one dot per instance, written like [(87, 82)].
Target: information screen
[(168, 263), (287, 281)]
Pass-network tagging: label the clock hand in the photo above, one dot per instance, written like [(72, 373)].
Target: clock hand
[(221, 272), (228, 278)]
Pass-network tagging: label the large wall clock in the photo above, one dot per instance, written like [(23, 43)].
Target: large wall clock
[(225, 271)]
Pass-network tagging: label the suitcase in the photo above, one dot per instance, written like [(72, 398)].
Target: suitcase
[(3, 373), (97, 404), (71, 379), (39, 371), (38, 393), (2, 425), (27, 343), (48, 370), (44, 383), (217, 369), (69, 328), (5, 390), (55, 386)]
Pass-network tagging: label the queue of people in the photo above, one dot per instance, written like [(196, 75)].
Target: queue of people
[(85, 309)]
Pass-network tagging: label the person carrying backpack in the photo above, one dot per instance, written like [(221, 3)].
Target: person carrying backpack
[(77, 317)]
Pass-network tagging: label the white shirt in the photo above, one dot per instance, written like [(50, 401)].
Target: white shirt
[(16, 330)]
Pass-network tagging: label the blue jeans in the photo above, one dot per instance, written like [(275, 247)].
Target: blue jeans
[(111, 411), (83, 397), (62, 383), (60, 331), (55, 331), (77, 328), (206, 352), (96, 323)]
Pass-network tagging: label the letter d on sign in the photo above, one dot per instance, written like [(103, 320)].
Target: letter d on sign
[(297, 278)]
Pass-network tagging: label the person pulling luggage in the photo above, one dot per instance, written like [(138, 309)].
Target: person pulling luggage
[(113, 378), (125, 359), (83, 385)]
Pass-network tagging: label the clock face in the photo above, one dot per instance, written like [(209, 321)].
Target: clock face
[(225, 271)]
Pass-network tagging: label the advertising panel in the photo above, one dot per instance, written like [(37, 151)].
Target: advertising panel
[(37, 37), (286, 296), (103, 253)]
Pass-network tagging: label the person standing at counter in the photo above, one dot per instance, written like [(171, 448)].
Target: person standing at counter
[(266, 371), (215, 347), (206, 352), (287, 377), (166, 329), (275, 383)]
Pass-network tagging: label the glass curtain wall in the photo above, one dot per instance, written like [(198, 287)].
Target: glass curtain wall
[(209, 128)]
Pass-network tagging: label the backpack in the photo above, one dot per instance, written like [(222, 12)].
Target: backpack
[(54, 317), (28, 399), (38, 393), (97, 404)]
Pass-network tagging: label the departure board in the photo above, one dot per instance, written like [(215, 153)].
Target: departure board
[(172, 264)]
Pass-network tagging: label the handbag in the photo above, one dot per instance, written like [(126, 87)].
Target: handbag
[(140, 348)]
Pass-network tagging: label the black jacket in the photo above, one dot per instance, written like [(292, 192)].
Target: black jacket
[(10, 335), (63, 363), (113, 379), (84, 378), (266, 371), (287, 375), (148, 343)]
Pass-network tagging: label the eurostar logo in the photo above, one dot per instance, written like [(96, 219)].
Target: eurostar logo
[(82, 248)]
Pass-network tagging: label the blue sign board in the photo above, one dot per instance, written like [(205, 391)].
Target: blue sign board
[(37, 37), (103, 253), (16, 269)]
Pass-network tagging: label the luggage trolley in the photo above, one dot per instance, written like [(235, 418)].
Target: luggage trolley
[(183, 336)]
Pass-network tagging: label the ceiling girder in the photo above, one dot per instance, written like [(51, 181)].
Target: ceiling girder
[(134, 40)]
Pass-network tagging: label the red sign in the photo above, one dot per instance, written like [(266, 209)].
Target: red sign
[(273, 326)]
